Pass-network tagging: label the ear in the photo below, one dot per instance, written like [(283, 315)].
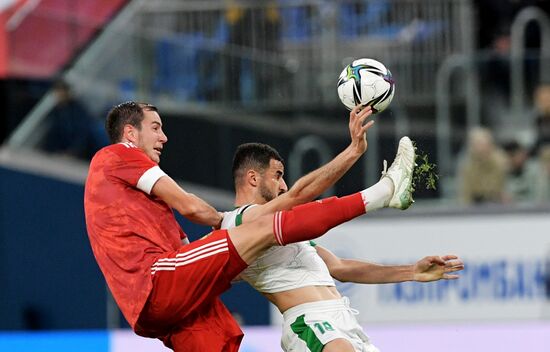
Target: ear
[(252, 178), (129, 133)]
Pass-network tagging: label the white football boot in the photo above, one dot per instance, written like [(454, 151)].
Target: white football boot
[(401, 174)]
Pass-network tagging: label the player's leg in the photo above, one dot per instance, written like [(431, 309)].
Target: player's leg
[(318, 326), (211, 329), (188, 279), (304, 222), (311, 220), (339, 345), (395, 188)]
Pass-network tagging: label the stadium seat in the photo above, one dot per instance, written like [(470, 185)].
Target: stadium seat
[(186, 64), (296, 24)]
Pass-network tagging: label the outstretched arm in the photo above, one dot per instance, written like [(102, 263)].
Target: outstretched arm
[(316, 182), (187, 204), (430, 268)]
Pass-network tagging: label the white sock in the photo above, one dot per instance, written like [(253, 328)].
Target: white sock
[(379, 195)]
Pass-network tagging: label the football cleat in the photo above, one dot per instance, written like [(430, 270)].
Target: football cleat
[(401, 174)]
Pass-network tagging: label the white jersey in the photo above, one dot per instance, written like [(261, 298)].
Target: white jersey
[(282, 268)]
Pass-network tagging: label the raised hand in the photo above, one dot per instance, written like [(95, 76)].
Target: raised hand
[(434, 268), (358, 128)]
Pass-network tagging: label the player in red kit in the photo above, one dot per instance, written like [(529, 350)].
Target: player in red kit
[(166, 287)]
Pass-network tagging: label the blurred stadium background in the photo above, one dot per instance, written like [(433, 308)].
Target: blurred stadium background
[(473, 90)]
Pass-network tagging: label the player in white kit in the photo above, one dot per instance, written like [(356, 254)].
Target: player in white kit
[(298, 278)]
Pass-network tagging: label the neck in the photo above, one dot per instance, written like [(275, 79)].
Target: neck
[(126, 140), (246, 196)]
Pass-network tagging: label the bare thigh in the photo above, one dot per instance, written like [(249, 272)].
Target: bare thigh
[(253, 238), (339, 345)]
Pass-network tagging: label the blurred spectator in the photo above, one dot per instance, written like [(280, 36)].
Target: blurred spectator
[(254, 37), (70, 129), (522, 173), (494, 22), (542, 118), (494, 18), (542, 184), (482, 172)]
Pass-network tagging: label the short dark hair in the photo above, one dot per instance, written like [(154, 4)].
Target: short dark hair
[(252, 156), (128, 113)]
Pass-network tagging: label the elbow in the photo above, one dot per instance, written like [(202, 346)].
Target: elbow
[(341, 279), (186, 205), (339, 275), (189, 211)]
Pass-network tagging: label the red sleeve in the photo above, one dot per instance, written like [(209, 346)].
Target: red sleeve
[(132, 166)]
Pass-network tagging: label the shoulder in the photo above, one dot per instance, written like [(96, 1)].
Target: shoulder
[(123, 148), (242, 209), (246, 207), (115, 149), (125, 152), (126, 161), (233, 218)]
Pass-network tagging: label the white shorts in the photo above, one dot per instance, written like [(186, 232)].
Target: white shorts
[(309, 327)]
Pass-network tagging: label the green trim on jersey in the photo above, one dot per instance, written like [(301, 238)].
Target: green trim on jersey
[(306, 334), (240, 212), (238, 219), (312, 243)]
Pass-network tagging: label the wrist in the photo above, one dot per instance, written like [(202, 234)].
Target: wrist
[(411, 273), (219, 220), (353, 152)]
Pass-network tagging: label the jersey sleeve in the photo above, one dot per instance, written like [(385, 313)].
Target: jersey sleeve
[(132, 166)]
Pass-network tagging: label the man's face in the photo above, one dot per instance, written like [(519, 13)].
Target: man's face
[(272, 183), (151, 138)]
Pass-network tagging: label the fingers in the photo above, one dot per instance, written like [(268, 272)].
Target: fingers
[(368, 125), (450, 277), (359, 108), (436, 260), (358, 116), (356, 110), (449, 257), (360, 113), (453, 265), (358, 127), (452, 261), (364, 113)]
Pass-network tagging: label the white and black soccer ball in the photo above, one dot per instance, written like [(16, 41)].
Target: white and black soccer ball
[(367, 82)]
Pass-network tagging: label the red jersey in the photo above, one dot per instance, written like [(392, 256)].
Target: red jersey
[(128, 228)]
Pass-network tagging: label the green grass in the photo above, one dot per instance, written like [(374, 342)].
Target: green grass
[(425, 173)]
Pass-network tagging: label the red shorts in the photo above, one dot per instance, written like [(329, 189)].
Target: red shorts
[(184, 308)]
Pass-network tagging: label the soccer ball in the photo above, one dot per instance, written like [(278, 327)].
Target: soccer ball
[(367, 82)]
